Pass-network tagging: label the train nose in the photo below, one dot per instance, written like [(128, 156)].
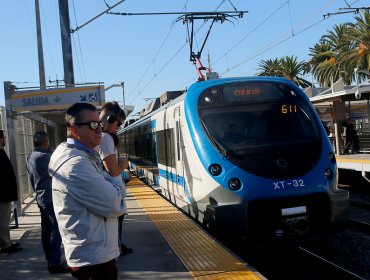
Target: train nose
[(302, 226), (298, 225), (294, 221)]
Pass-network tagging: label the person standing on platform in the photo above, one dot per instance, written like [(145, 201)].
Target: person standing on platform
[(8, 193), (112, 116), (351, 138), (86, 205), (37, 168)]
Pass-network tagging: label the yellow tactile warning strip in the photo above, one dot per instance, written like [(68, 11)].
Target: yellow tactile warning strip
[(202, 256), (352, 160)]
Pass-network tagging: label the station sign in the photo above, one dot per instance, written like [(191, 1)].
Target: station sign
[(57, 98)]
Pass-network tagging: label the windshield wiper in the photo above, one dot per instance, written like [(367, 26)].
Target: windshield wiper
[(225, 152)]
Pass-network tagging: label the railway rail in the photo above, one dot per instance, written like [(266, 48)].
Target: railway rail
[(332, 270), (342, 255), (360, 214), (295, 263)]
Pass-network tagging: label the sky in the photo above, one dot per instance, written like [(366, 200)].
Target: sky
[(150, 54)]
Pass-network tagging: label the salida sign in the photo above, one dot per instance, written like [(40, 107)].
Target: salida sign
[(59, 98)]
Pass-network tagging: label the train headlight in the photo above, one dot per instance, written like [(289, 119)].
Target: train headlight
[(332, 157), (329, 174), (235, 184), (215, 169), (208, 99)]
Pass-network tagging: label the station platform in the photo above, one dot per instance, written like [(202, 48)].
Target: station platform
[(166, 243), (356, 162)]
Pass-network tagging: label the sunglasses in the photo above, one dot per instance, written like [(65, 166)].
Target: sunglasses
[(93, 125), (119, 123)]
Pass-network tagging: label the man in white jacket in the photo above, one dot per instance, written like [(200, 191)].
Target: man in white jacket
[(86, 205)]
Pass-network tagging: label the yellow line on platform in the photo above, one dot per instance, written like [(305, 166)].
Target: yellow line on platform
[(339, 159), (202, 256)]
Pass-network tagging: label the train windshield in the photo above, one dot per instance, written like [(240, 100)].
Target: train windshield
[(274, 136)]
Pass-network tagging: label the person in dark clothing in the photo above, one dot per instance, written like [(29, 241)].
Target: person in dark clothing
[(327, 129), (37, 168), (8, 193), (351, 138)]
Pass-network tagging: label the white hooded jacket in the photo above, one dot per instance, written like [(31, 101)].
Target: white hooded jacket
[(86, 206)]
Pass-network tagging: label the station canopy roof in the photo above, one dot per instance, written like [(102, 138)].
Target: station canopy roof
[(338, 92)]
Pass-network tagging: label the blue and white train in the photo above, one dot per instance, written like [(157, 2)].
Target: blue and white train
[(248, 156)]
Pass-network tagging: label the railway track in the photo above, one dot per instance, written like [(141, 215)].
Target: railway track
[(340, 256), (360, 215), (332, 270), (294, 263), (315, 262)]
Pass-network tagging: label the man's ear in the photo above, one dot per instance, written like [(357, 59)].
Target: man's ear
[(73, 130)]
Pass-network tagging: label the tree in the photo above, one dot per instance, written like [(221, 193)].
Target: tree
[(288, 67), (327, 62), (359, 34), (342, 50), (269, 67), (292, 69)]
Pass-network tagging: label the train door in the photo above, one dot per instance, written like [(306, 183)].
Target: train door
[(180, 181), (154, 155), (166, 158)]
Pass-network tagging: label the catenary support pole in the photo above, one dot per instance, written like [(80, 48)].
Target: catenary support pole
[(39, 47), (65, 32)]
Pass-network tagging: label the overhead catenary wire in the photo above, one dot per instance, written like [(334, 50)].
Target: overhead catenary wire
[(156, 54), (167, 63), (349, 8), (270, 46), (273, 45), (176, 13), (251, 32), (240, 41), (50, 57), (45, 31), (154, 77), (82, 72), (94, 18)]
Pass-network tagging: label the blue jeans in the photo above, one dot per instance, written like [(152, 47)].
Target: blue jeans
[(50, 235)]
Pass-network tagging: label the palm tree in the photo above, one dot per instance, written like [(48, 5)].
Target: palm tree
[(359, 34), (342, 50), (292, 69), (321, 54), (269, 67), (327, 62), (288, 67)]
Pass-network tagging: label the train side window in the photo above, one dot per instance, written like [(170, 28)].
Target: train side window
[(178, 139)]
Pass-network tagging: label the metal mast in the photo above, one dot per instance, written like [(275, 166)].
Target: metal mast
[(39, 47), (65, 33)]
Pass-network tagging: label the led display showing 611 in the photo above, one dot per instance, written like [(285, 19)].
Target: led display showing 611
[(287, 109)]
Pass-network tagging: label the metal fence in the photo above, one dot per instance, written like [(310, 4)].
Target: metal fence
[(25, 127)]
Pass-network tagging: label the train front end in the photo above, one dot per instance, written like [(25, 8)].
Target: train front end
[(262, 142)]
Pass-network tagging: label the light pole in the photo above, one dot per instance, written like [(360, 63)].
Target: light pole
[(358, 93), (129, 108), (122, 85)]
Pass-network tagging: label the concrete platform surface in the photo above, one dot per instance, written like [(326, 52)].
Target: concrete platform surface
[(152, 258)]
